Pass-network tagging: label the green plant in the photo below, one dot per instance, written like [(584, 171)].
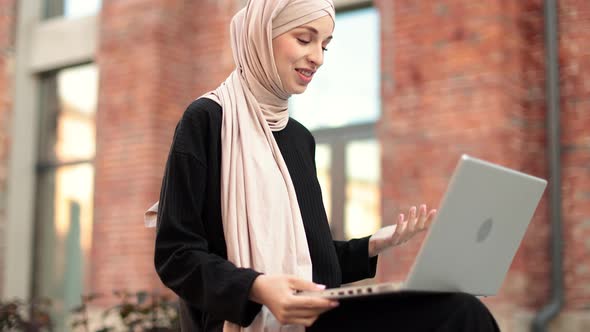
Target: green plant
[(137, 312), (26, 316), (80, 314)]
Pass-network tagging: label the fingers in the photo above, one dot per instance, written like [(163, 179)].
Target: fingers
[(278, 295), (409, 226), (305, 321), (399, 229), (309, 308), (430, 218), (302, 302), (413, 220), (297, 318), (305, 310), (305, 285), (412, 213), (422, 217), (418, 221), (309, 302), (403, 229)]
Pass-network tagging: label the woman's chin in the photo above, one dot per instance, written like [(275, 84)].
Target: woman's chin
[(298, 90)]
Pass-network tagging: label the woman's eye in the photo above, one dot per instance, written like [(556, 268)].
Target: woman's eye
[(305, 42)]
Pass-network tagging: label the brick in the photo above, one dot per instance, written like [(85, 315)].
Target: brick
[(155, 58), (457, 76), (7, 31), (439, 96)]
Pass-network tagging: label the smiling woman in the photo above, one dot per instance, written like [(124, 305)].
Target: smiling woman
[(241, 225), (299, 53)]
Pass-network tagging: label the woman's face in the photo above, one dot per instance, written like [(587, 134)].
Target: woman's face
[(298, 53)]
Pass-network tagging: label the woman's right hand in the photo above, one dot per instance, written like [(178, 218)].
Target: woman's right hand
[(277, 293)]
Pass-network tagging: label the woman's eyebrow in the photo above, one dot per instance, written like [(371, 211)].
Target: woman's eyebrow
[(312, 29)]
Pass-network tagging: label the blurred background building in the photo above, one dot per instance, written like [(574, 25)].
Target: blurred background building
[(91, 90)]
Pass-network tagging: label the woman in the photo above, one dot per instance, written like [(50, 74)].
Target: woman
[(241, 223)]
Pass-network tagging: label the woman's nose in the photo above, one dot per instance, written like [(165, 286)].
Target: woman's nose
[(316, 56)]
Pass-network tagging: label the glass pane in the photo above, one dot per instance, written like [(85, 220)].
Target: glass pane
[(346, 89), (77, 8), (64, 235), (363, 192), (323, 160), (71, 8), (68, 120)]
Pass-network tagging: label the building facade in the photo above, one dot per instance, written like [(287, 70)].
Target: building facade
[(90, 93)]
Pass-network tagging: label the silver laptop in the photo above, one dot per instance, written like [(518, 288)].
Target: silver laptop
[(471, 243)]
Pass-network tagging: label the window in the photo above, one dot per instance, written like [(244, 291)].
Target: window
[(346, 89), (341, 107), (71, 8), (65, 186), (363, 194)]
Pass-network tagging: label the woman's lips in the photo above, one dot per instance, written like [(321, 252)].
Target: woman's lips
[(304, 79)]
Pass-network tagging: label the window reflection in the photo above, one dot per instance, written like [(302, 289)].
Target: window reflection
[(323, 161), (65, 187), (64, 235), (363, 192), (77, 93), (71, 8), (340, 106), (68, 116), (346, 89)]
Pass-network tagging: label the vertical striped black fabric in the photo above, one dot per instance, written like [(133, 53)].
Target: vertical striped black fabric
[(190, 251), (297, 147)]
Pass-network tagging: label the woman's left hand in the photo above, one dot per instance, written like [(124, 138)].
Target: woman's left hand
[(418, 220)]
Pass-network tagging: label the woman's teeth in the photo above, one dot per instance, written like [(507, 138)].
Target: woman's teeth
[(304, 72)]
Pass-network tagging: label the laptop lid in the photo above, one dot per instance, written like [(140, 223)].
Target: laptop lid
[(480, 223)]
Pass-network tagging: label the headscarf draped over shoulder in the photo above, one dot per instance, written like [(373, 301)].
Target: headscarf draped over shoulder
[(261, 218)]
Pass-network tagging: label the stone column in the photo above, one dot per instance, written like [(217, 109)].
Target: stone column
[(155, 57)]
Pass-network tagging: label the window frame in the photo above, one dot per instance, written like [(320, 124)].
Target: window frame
[(45, 171), (337, 139), (56, 9), (49, 165)]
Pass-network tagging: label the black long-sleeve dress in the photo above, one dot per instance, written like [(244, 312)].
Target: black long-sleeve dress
[(190, 250)]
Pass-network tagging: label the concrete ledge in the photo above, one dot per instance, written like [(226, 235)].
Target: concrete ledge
[(61, 42), (345, 4)]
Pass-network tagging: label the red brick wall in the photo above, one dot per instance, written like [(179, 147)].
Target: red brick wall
[(468, 76), (7, 31), (574, 25), (155, 57), (457, 76)]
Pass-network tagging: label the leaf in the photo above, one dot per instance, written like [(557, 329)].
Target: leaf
[(77, 323), (78, 309), (141, 296), (126, 310), (135, 322), (106, 329), (111, 309), (147, 310), (91, 297)]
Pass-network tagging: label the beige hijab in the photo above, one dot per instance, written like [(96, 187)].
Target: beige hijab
[(261, 219)]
